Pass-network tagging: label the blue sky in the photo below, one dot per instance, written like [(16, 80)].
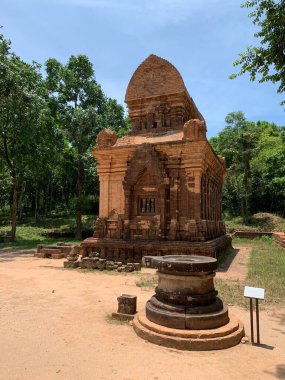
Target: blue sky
[(201, 38)]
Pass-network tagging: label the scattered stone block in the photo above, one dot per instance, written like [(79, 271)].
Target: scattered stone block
[(57, 256), (137, 266), (48, 252), (72, 259), (147, 261), (57, 252), (40, 255), (82, 264), (89, 263), (129, 268), (127, 304), (101, 264), (71, 264)]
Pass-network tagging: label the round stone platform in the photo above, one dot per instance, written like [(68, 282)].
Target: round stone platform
[(185, 312), (220, 338)]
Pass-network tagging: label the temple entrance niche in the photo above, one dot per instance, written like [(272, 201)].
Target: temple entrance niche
[(146, 186)]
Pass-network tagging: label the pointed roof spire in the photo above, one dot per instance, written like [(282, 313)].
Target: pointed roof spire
[(155, 76)]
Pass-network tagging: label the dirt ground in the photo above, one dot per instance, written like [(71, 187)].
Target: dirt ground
[(53, 326), (235, 267)]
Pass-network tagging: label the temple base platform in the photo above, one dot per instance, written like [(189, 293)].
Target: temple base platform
[(135, 250)]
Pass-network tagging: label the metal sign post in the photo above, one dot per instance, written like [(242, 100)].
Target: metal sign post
[(257, 294)]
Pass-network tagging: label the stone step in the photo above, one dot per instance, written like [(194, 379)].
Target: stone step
[(232, 326), (200, 340)]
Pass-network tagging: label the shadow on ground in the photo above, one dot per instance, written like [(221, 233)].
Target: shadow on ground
[(279, 372), (10, 254), (225, 264)]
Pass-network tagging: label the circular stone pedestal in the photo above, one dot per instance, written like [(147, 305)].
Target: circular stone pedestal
[(185, 312)]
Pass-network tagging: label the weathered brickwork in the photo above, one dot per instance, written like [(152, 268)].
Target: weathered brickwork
[(59, 251), (158, 99), (160, 186)]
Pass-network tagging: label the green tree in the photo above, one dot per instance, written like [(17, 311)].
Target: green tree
[(114, 118), (255, 160), (23, 111), (237, 143), (268, 167), (82, 110), (268, 59)]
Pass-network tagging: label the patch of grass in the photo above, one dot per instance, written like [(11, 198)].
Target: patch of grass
[(64, 223), (265, 239), (147, 281), (29, 234), (222, 258), (267, 270), (115, 321), (261, 221), (29, 237), (88, 270), (53, 222), (231, 292), (257, 242)]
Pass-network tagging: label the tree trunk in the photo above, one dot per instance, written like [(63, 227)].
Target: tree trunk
[(46, 192), (242, 211), (20, 204), (36, 205), (14, 200), (51, 196), (246, 185), (14, 205), (80, 177)]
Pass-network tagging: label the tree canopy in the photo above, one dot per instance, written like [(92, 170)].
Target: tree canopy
[(24, 118), (48, 127), (254, 155), (267, 60), (82, 110)]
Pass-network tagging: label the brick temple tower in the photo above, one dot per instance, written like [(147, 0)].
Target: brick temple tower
[(160, 186)]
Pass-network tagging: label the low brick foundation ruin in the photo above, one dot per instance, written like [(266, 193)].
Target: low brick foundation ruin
[(59, 251)]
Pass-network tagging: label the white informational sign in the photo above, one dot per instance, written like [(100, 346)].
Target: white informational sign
[(252, 292)]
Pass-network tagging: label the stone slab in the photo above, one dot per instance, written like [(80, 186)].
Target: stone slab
[(122, 316)]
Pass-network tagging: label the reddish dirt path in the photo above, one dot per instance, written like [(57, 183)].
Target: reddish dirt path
[(53, 326), (235, 267)]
